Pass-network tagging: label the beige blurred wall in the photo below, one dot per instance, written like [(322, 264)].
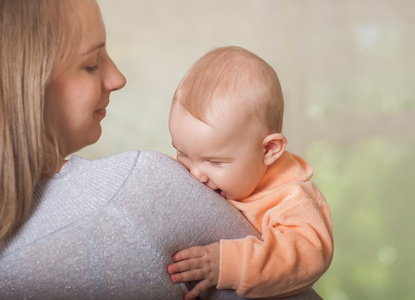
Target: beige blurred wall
[(331, 56)]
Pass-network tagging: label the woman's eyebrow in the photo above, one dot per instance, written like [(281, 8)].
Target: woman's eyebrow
[(93, 48)]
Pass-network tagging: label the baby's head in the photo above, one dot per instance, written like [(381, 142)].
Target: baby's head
[(226, 120), (231, 79)]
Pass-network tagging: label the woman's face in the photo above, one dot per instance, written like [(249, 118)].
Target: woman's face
[(80, 90)]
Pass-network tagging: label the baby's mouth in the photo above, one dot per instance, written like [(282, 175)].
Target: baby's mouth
[(220, 192)]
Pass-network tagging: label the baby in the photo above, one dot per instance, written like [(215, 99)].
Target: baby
[(225, 122)]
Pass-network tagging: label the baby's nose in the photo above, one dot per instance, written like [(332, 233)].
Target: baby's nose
[(196, 173)]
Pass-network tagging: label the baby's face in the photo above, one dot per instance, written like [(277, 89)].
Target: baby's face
[(226, 156)]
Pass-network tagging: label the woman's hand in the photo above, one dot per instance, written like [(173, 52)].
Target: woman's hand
[(196, 263)]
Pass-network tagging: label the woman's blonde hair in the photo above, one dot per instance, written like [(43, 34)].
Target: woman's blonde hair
[(34, 39), (229, 79)]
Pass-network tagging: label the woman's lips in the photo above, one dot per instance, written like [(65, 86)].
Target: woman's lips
[(101, 112)]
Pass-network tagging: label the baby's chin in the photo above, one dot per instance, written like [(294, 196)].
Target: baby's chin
[(225, 195)]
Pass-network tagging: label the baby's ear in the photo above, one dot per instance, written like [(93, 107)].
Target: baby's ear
[(274, 146)]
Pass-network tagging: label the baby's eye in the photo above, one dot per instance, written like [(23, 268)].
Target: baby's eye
[(215, 162)]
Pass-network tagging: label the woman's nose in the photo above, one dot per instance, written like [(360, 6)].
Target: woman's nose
[(113, 79)]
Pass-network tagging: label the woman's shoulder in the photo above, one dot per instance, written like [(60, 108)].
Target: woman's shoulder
[(122, 160), (119, 161), (116, 167), (85, 187)]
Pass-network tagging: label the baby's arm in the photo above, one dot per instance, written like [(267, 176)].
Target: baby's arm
[(196, 263), (296, 247)]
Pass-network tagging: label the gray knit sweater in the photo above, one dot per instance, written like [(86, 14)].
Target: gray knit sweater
[(106, 229)]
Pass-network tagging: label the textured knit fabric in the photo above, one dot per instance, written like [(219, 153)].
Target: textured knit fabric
[(106, 229), (296, 244)]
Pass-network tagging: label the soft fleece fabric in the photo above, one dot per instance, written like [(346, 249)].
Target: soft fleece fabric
[(296, 244)]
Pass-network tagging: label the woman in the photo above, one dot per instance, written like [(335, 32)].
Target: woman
[(80, 229)]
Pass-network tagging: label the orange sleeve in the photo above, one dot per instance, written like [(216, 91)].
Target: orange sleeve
[(295, 249)]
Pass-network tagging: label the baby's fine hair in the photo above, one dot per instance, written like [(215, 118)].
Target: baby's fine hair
[(229, 79)]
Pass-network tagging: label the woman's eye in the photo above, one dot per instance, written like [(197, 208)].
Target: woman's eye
[(91, 69)]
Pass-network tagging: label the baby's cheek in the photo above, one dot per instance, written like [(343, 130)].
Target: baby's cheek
[(232, 191)]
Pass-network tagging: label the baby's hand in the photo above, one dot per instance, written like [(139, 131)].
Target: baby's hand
[(196, 263)]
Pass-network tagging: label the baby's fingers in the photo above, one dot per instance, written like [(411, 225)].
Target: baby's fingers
[(188, 253), (192, 275), (184, 265)]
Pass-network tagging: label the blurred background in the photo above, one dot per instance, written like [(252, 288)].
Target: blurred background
[(347, 69)]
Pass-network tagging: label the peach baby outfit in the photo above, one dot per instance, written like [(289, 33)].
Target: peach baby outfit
[(296, 245)]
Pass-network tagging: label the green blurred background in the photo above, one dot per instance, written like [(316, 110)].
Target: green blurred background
[(347, 69)]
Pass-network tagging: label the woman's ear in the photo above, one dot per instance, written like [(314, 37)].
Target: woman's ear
[(274, 146)]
